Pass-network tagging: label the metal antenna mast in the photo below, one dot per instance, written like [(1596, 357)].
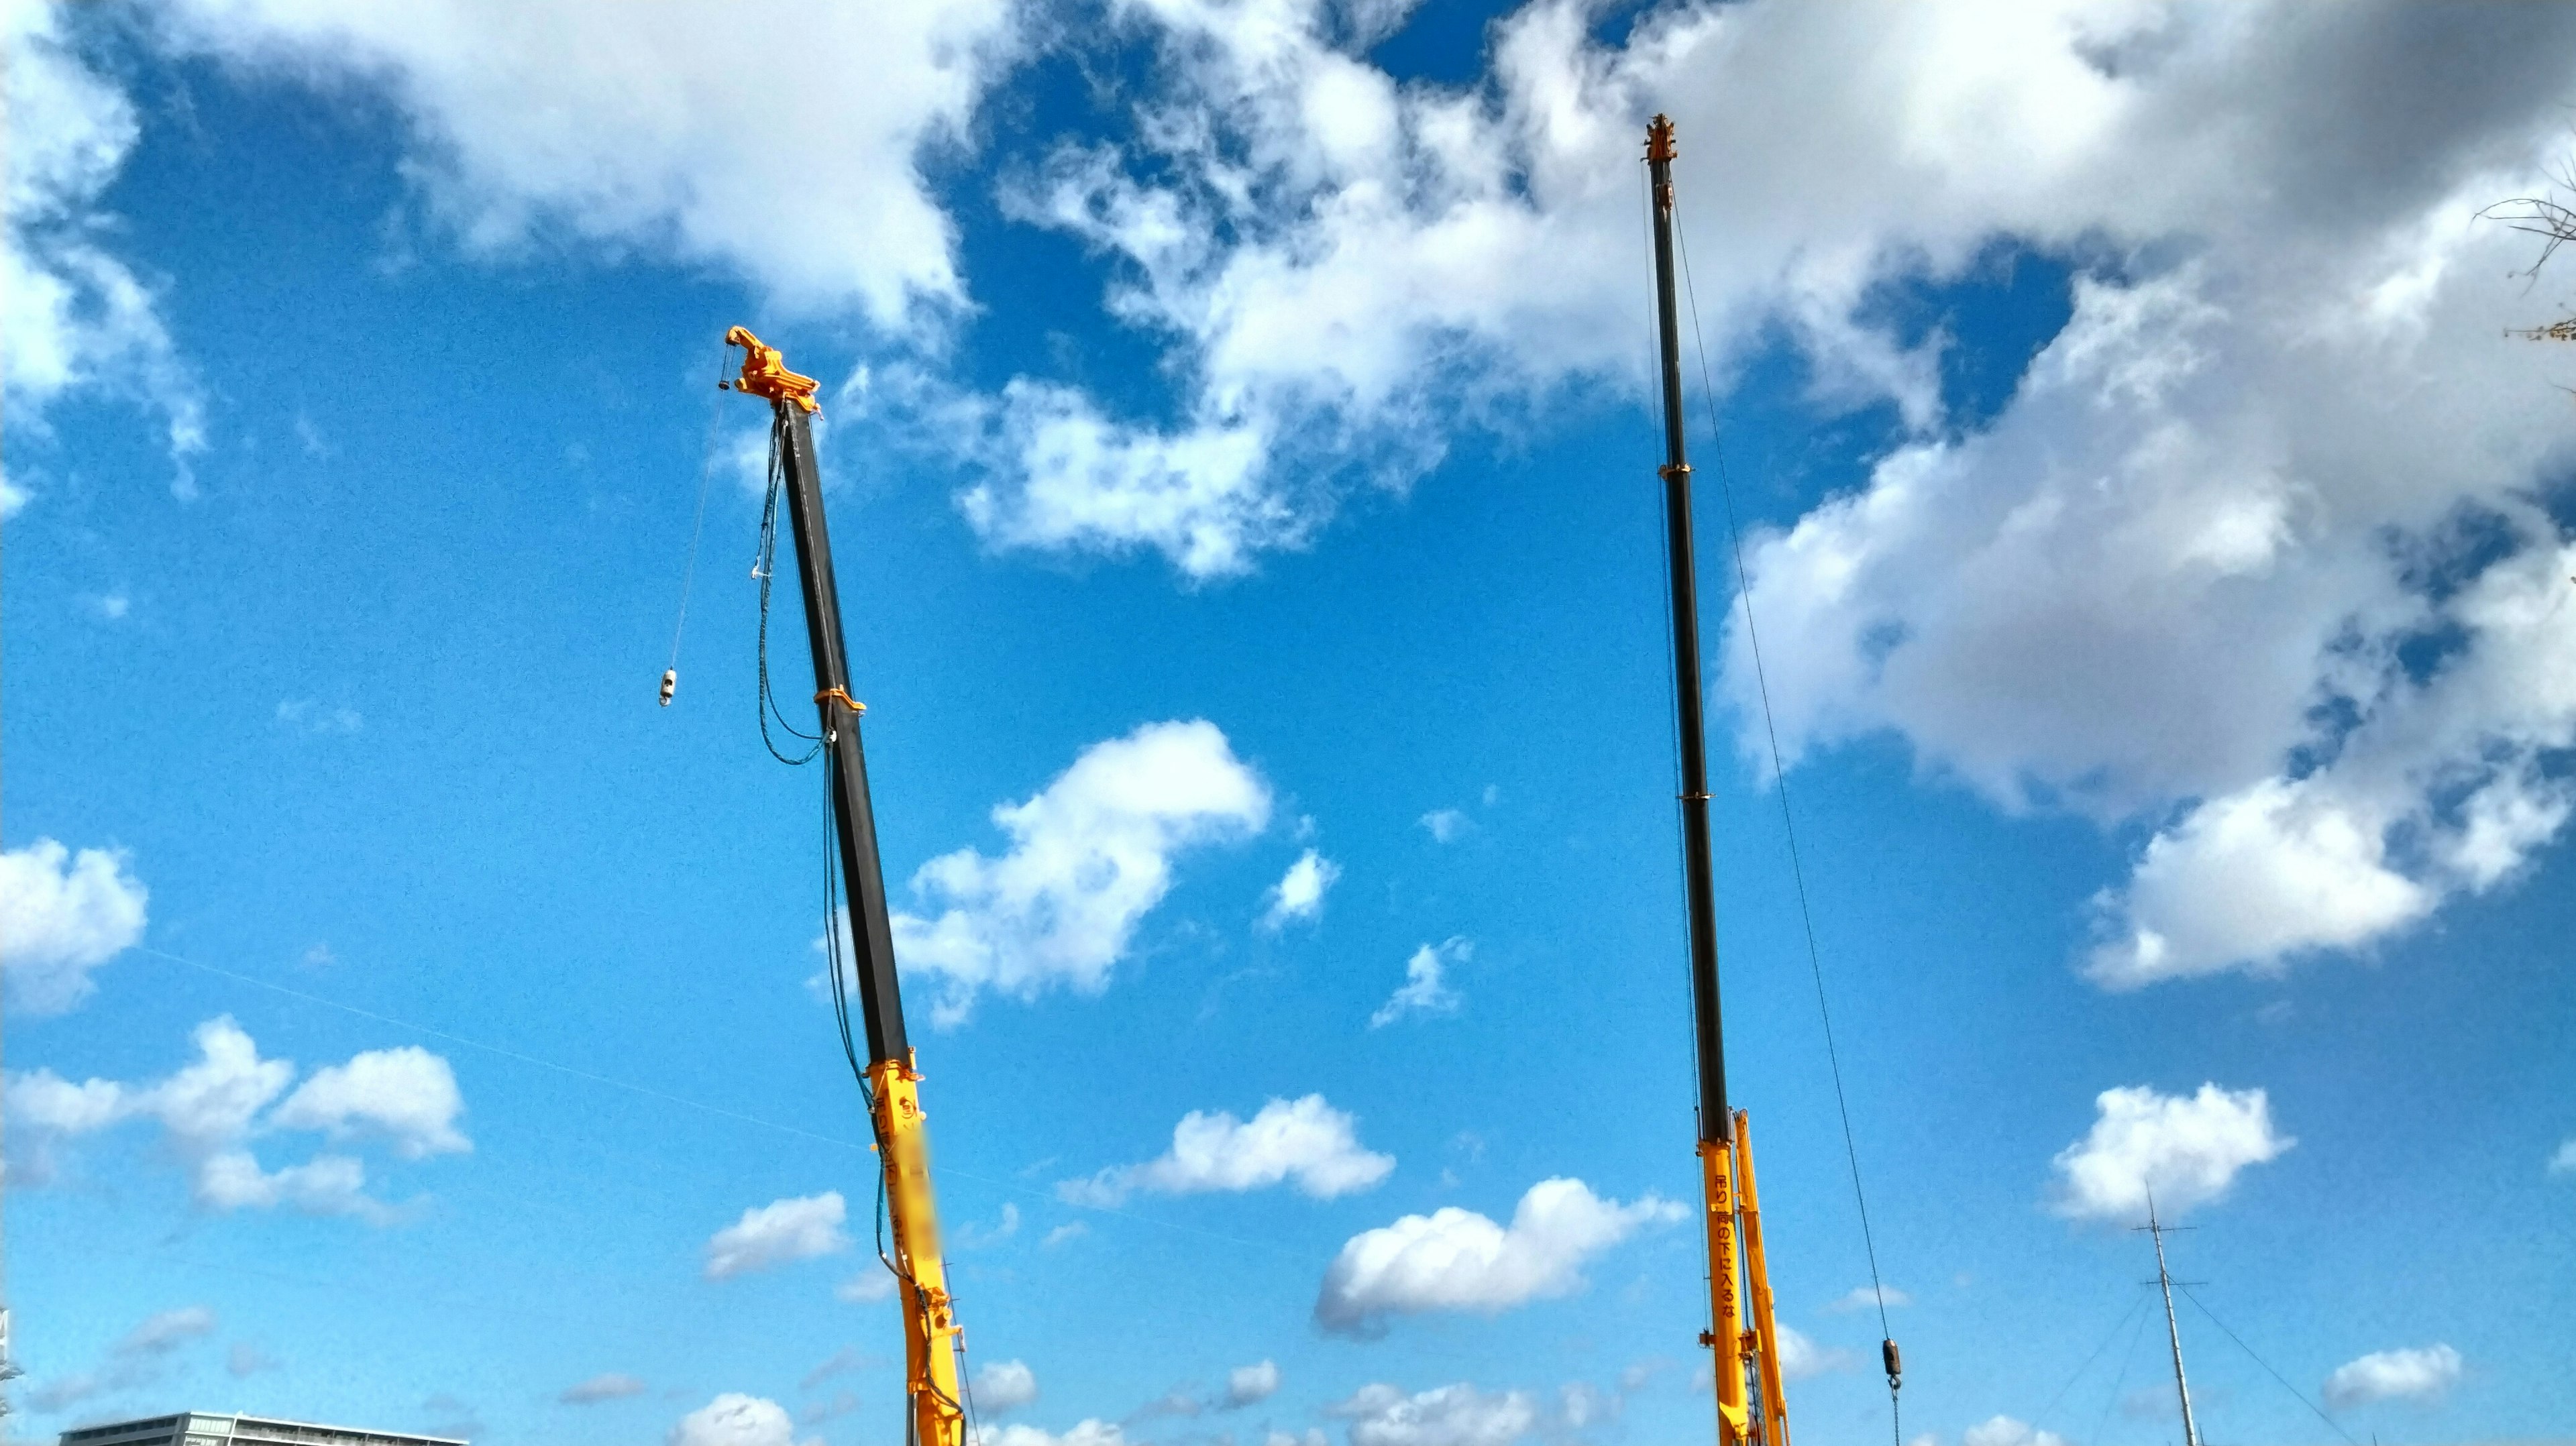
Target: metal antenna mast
[(2157, 1230)]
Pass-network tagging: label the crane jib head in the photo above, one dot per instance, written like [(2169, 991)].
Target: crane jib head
[(765, 373)]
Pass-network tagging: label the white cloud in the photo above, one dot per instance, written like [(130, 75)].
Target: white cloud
[(1246, 1385), (1459, 1415), (1090, 855), (74, 317), (211, 1109), (1801, 1358), (797, 1228), (1445, 824), (629, 128), (136, 1360), (1299, 894), (846, 1359), (2564, 1162), (872, 1283), (63, 915), (734, 1419), (1305, 1141), (1862, 1297), (407, 1095), (609, 1386), (165, 1332), (245, 1360), (2412, 1374), (1071, 1230), (2005, 1431), (1084, 1433), (1458, 1260), (313, 717), (1002, 1387), (2175, 582), (1425, 989), (2184, 1150), (973, 1235), (843, 1402)]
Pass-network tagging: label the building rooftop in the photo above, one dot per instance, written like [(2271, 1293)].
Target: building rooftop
[(206, 1428)]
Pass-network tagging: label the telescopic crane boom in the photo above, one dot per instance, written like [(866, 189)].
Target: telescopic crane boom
[(1750, 1408), (930, 1347)]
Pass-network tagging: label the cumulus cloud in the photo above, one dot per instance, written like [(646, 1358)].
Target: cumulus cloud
[(407, 1095), (210, 1110), (629, 128), (797, 1228), (1090, 856), (136, 1360), (75, 317), (1801, 1358), (1425, 989), (1458, 1260), (2564, 1162), (734, 1419), (1459, 1415), (63, 915), (1246, 1385), (1002, 1387), (1302, 1141), (1299, 894), (1087, 1432), (2181, 1150), (873, 1283), (2005, 1431), (2412, 1374), (2187, 579), (1445, 824), (609, 1386), (1862, 1297)]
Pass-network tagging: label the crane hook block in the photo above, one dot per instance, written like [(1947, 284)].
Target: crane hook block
[(670, 684), (765, 373), (1895, 1362)]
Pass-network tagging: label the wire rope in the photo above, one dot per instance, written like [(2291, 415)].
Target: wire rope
[(698, 524), (2266, 1365), (2122, 1379), (2135, 1303), (1788, 822)]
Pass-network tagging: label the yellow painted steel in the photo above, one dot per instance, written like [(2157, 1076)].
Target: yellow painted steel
[(1742, 1338), (930, 1345), (765, 373), (1725, 1296), (1762, 1338)]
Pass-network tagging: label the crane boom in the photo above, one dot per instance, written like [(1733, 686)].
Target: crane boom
[(1749, 1407), (937, 1415)]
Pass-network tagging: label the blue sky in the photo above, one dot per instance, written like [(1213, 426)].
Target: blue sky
[(1242, 486)]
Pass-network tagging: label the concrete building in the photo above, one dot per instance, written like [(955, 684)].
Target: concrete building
[(197, 1428)]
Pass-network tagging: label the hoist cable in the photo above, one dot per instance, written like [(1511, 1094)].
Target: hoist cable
[(1788, 823), (698, 526), (2266, 1365)]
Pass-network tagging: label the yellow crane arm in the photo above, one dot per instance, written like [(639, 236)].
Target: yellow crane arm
[(936, 1415), (921, 1275)]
